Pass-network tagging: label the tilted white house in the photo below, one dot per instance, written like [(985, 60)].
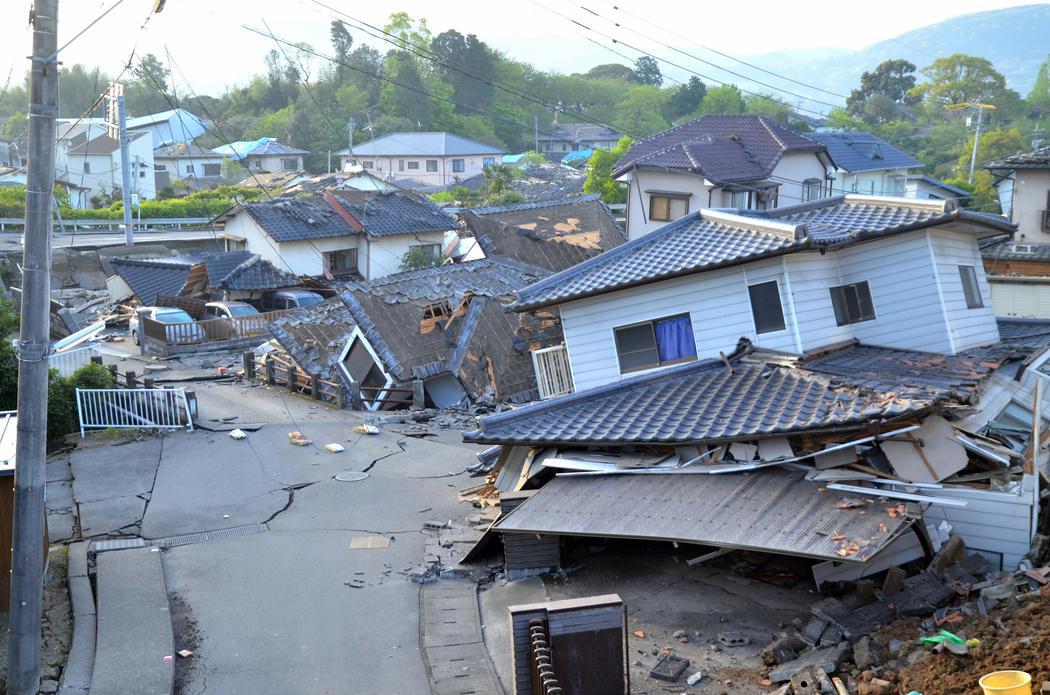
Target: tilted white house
[(167, 127), (720, 161)]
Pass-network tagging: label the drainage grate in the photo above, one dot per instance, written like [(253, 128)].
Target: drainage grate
[(191, 538), (350, 476), (117, 544)]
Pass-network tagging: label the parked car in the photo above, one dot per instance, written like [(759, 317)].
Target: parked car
[(163, 314), (289, 299), (228, 310)]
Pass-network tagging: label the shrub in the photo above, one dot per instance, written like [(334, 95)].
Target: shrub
[(62, 398)]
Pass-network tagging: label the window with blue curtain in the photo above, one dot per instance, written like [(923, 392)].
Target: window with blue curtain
[(674, 339), (655, 343)]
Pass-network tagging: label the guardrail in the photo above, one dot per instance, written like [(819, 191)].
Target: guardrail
[(69, 361), (88, 226), (133, 409)]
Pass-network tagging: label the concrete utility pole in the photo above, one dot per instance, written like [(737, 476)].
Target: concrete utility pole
[(27, 556), (536, 132), (125, 170), (351, 124)]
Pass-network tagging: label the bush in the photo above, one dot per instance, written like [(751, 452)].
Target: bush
[(62, 398)]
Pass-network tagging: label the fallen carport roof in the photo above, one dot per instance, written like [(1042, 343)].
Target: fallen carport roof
[(775, 511)]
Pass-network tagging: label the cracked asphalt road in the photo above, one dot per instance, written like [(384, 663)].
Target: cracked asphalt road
[(274, 612)]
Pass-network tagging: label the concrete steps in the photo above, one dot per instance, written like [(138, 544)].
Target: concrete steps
[(134, 642)]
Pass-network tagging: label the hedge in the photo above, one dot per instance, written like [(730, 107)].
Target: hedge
[(199, 204)]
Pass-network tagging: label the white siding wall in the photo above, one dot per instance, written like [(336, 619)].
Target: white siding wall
[(299, 257), (875, 182), (791, 170), (638, 222), (389, 166), (1021, 297), (811, 275), (969, 327), (176, 167), (385, 253), (901, 275), (1031, 189), (991, 521)]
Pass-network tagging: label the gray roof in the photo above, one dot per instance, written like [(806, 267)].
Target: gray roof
[(315, 336), (1037, 159), (149, 277), (772, 510), (297, 219), (1016, 251), (487, 277), (434, 144), (959, 192), (184, 150), (701, 401), (855, 152), (245, 271), (579, 132), (709, 239), (389, 213), (234, 270), (722, 148), (536, 183)]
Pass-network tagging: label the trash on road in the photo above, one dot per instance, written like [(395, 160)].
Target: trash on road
[(237, 434)]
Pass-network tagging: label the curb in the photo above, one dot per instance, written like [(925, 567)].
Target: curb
[(76, 677)]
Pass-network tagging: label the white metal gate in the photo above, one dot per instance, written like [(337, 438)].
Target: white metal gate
[(553, 373), (133, 408), (69, 361)]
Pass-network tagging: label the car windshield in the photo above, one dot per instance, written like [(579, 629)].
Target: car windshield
[(245, 310), (175, 316), (308, 299)]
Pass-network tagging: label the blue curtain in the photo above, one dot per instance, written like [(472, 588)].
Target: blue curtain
[(674, 338)]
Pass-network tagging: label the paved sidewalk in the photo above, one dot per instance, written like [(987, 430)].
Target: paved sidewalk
[(453, 646)]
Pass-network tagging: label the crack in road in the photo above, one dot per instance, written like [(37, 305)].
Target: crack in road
[(400, 444), (291, 490)]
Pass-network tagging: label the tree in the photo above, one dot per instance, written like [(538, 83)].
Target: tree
[(406, 93), (610, 71), (647, 71), (996, 143), (366, 66), (153, 72), (467, 66), (686, 98), (723, 99), (409, 34), (893, 79), (599, 173), (769, 105), (418, 258), (958, 79), (342, 42), (640, 111), (1039, 97)]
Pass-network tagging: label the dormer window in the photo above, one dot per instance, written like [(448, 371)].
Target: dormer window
[(664, 208)]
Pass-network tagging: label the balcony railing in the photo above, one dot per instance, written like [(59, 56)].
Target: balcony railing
[(553, 373), (1044, 216)]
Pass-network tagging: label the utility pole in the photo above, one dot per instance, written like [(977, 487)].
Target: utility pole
[(350, 125), (535, 132), (27, 557), (125, 169), (980, 108)]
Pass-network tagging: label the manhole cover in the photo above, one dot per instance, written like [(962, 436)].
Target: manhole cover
[(350, 476)]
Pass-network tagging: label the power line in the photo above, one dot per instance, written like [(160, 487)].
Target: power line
[(716, 51)]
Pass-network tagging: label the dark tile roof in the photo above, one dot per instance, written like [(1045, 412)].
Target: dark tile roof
[(553, 235), (702, 401), (298, 219), (709, 239), (489, 277), (959, 193), (864, 152), (389, 213), (103, 144), (316, 336), (1037, 159), (719, 147), (245, 271), (184, 150), (148, 277), (1024, 334), (1017, 251)]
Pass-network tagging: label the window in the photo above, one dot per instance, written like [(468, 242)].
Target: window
[(488, 161), (765, 307), (429, 250), (367, 164), (142, 174), (852, 303), (812, 189), (655, 343), (664, 208), (740, 200), (257, 164), (87, 167), (400, 165), (160, 167), (189, 168), (212, 169), (289, 164), (458, 166), (432, 165), (341, 262), (970, 287), (413, 165)]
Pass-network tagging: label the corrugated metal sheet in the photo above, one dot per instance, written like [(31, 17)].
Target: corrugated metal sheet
[(773, 510)]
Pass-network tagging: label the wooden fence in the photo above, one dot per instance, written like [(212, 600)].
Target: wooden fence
[(168, 335)]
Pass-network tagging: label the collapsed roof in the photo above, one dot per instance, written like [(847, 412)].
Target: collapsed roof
[(386, 213), (173, 276), (554, 234)]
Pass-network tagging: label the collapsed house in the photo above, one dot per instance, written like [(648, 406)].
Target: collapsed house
[(232, 275), (825, 381), (553, 234), (443, 326)]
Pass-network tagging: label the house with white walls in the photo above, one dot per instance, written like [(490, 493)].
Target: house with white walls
[(433, 158), (168, 127), (264, 155), (742, 161), (188, 162), (346, 234), (867, 164), (93, 162), (757, 365)]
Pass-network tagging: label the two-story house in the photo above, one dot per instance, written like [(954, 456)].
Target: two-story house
[(563, 138), (93, 162), (735, 365), (264, 154), (433, 158), (341, 233), (188, 162), (720, 161), (867, 164), (166, 127), (1019, 272)]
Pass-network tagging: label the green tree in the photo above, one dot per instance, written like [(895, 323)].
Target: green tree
[(996, 143), (960, 78), (466, 64), (769, 105), (723, 99), (408, 33), (640, 111), (893, 79), (1039, 97), (342, 43), (686, 98), (418, 258), (599, 173), (154, 73), (610, 71), (405, 94), (647, 71)]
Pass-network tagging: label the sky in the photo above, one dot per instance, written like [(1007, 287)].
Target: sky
[(212, 50)]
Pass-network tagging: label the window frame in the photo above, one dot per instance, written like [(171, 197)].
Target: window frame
[(413, 165), (780, 307), (214, 169), (434, 249), (488, 162), (733, 200), (841, 306), (655, 345), (352, 256), (812, 189), (669, 198), (285, 161), (972, 292), (459, 166), (432, 166), (400, 165)]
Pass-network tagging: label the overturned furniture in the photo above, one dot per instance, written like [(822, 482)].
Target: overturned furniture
[(570, 647)]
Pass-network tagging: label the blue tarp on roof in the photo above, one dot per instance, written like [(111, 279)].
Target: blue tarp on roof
[(577, 157)]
